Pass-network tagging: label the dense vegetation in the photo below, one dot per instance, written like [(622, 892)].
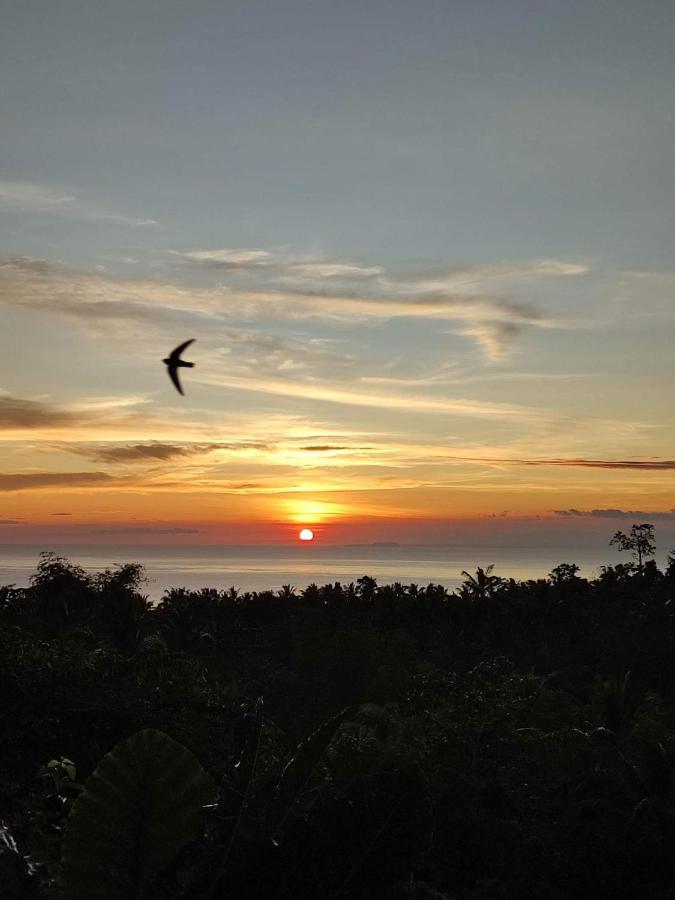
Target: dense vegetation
[(512, 739)]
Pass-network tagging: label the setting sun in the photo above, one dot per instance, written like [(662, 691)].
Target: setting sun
[(306, 534)]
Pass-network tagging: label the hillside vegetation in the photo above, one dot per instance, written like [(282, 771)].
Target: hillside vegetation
[(508, 740)]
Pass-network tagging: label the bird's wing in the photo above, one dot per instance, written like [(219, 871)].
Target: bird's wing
[(173, 375), (175, 354)]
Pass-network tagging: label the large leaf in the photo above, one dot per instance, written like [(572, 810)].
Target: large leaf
[(365, 841), (249, 743), (358, 840), (14, 874), (301, 767), (393, 825), (141, 805), (233, 802)]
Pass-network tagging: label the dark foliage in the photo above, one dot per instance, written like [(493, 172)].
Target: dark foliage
[(513, 739)]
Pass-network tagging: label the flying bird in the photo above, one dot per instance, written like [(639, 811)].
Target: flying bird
[(174, 362)]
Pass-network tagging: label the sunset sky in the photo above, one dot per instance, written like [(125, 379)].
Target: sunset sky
[(425, 250)]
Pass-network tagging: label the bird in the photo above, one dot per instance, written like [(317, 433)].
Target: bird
[(174, 362)]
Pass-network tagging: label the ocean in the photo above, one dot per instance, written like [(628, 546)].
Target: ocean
[(269, 567)]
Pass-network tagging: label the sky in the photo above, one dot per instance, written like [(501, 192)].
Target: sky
[(425, 251)]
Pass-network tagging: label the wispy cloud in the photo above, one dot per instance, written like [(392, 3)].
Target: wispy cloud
[(261, 353), (131, 530), (331, 394), (30, 481), (157, 451), (488, 318), (458, 279), (91, 297), (420, 454), (334, 269), (30, 197), (23, 416), (328, 448), (478, 277), (633, 514), (495, 338), (239, 259), (637, 465), (26, 196), (257, 262), (21, 413), (131, 453)]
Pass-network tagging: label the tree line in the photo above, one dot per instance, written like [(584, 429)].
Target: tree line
[(507, 739)]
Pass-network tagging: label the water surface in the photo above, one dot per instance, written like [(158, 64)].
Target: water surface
[(270, 567)]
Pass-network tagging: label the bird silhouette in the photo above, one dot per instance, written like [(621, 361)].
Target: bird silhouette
[(174, 362)]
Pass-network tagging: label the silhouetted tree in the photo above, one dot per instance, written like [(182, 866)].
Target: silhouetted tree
[(413, 742), (640, 542), (481, 585), (563, 573), (366, 587), (670, 565)]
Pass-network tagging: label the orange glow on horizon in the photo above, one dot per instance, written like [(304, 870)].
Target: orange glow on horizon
[(310, 512)]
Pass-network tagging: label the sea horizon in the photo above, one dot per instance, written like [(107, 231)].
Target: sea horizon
[(250, 567)]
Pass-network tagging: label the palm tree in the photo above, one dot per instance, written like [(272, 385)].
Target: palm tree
[(366, 587), (286, 592), (481, 585)]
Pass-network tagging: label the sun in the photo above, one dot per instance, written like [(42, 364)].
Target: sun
[(306, 534)]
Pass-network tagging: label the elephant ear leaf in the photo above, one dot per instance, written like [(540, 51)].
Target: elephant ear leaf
[(300, 768), (387, 823), (142, 804)]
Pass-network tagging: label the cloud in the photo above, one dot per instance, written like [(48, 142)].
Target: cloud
[(131, 452), (330, 394), (26, 196), (333, 270), (634, 514), (11, 522), (143, 530), (254, 261), (157, 450), (261, 354), (471, 294), (457, 279), (30, 481), (61, 514), (238, 259), (17, 412), (150, 481), (476, 277), (96, 299), (358, 307), (644, 465), (435, 454), (21, 415), (29, 197), (493, 337), (462, 293), (54, 288), (326, 448)]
